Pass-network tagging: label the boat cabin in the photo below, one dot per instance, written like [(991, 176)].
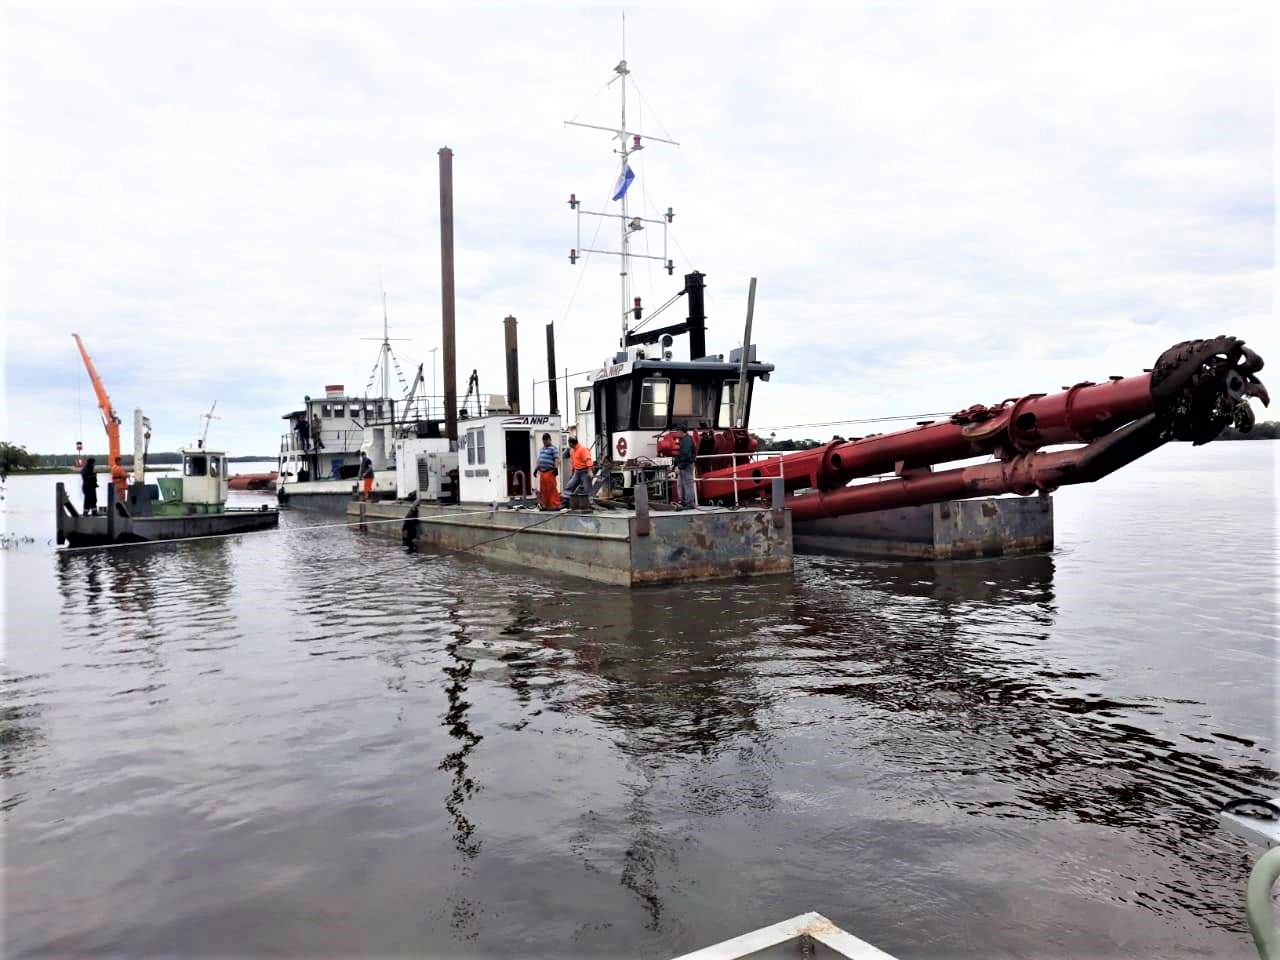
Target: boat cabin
[(204, 476), (325, 437), (632, 401), (497, 454)]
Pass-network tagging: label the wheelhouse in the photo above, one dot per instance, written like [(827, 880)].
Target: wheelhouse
[(325, 438), (204, 476), (632, 402)]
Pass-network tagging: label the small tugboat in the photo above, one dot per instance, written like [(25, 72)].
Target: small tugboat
[(318, 464), (173, 508)]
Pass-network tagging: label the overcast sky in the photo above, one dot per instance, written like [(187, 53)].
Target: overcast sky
[(944, 203)]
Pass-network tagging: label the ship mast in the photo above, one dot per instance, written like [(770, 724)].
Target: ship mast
[(622, 71), (386, 343), (384, 351), (629, 143)]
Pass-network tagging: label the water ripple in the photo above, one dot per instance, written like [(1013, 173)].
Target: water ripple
[(218, 739)]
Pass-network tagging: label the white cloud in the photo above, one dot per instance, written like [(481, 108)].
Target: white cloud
[(945, 204)]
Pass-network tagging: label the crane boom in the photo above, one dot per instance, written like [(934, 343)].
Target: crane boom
[(110, 422)]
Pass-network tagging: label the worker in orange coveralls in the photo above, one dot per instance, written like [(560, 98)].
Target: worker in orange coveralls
[(581, 462), (548, 465), (366, 476)]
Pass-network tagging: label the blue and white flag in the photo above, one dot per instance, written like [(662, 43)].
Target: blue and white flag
[(624, 181)]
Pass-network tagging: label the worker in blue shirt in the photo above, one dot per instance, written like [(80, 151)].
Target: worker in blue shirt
[(547, 468)]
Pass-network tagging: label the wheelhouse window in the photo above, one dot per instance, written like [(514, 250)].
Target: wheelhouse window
[(475, 447), (326, 410), (728, 396), (195, 465), (654, 396), (622, 404), (692, 404), (215, 466), (337, 410)]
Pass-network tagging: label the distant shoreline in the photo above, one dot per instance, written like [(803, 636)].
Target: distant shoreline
[(99, 471), (102, 470), (154, 460)]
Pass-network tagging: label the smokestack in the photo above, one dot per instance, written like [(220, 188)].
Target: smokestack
[(513, 365), (551, 369), (693, 286), (446, 295)]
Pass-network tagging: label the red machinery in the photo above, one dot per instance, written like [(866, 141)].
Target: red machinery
[(1195, 389), (719, 445)]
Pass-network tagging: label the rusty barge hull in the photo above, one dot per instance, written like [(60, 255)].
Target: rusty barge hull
[(952, 530), (94, 531), (629, 548), (687, 546)]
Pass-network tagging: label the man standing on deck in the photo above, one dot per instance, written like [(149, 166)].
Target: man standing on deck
[(304, 432), (89, 484), (686, 494), (548, 462), (366, 475), (581, 462)]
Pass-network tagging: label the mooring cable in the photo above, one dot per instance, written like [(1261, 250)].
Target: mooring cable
[(318, 526), (245, 533), (552, 516)]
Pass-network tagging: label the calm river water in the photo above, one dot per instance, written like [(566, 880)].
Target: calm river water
[(313, 743)]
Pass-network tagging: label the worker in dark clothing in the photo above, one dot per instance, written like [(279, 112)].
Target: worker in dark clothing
[(89, 484), (686, 494), (304, 433)]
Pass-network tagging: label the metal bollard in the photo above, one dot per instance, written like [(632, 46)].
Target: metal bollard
[(642, 510)]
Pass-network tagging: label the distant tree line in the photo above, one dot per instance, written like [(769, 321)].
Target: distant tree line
[(1266, 430), (14, 457), (768, 443)]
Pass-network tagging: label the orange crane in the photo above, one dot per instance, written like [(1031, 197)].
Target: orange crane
[(110, 421)]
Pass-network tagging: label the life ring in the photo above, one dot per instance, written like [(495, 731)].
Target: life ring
[(622, 446)]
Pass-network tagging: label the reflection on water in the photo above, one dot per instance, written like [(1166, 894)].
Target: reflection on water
[(318, 742)]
